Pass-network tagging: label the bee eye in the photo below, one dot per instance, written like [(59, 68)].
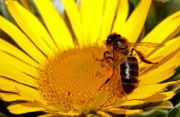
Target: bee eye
[(109, 40), (119, 43)]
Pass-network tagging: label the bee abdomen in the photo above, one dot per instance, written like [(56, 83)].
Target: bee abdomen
[(129, 74)]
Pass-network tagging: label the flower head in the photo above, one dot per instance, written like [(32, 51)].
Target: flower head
[(56, 65)]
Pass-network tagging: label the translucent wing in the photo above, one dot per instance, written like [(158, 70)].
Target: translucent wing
[(147, 44)]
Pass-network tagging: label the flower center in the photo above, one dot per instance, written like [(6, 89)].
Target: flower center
[(77, 76)]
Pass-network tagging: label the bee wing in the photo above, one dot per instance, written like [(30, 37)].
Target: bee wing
[(144, 46), (147, 44)]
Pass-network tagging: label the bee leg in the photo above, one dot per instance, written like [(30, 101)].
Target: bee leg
[(105, 53), (105, 83), (141, 56), (105, 57)]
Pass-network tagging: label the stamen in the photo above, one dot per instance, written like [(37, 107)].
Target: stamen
[(77, 76)]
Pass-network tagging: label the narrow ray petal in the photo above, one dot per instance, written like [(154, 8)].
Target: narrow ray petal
[(74, 18), (103, 114), (74, 113), (55, 24), (85, 9), (124, 111), (155, 76), (144, 92), (160, 97), (121, 103), (168, 48), (11, 97), (6, 71), (95, 20), (24, 108), (172, 83), (109, 14), (21, 39), (45, 115), (121, 16), (12, 61), (162, 105), (26, 92), (164, 30), (99, 100), (32, 27), (91, 12), (132, 103), (17, 53), (166, 68), (80, 108), (135, 22)]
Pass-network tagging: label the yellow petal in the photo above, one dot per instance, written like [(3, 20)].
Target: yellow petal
[(132, 103), (55, 24), (12, 50), (85, 8), (121, 16), (57, 114), (135, 22), (80, 108), (45, 115), (12, 61), (162, 105), (168, 47), (91, 12), (160, 97), (156, 75), (21, 40), (74, 18), (16, 75), (11, 97), (172, 83), (103, 114), (146, 91), (24, 108), (25, 91), (99, 100), (124, 111), (164, 30), (74, 113), (109, 14), (32, 27), (161, 71), (121, 102), (56, 107)]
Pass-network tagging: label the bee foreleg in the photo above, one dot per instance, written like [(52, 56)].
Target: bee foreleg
[(105, 54), (141, 56), (105, 57)]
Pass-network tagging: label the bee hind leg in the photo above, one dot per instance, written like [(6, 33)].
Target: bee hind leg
[(104, 83), (141, 56)]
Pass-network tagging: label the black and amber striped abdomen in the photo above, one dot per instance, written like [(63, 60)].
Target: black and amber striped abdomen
[(129, 72)]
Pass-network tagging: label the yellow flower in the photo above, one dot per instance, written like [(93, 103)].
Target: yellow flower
[(55, 68)]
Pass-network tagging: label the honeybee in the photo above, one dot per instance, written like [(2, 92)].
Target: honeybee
[(120, 53)]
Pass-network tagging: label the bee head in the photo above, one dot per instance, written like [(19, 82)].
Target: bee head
[(111, 38)]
